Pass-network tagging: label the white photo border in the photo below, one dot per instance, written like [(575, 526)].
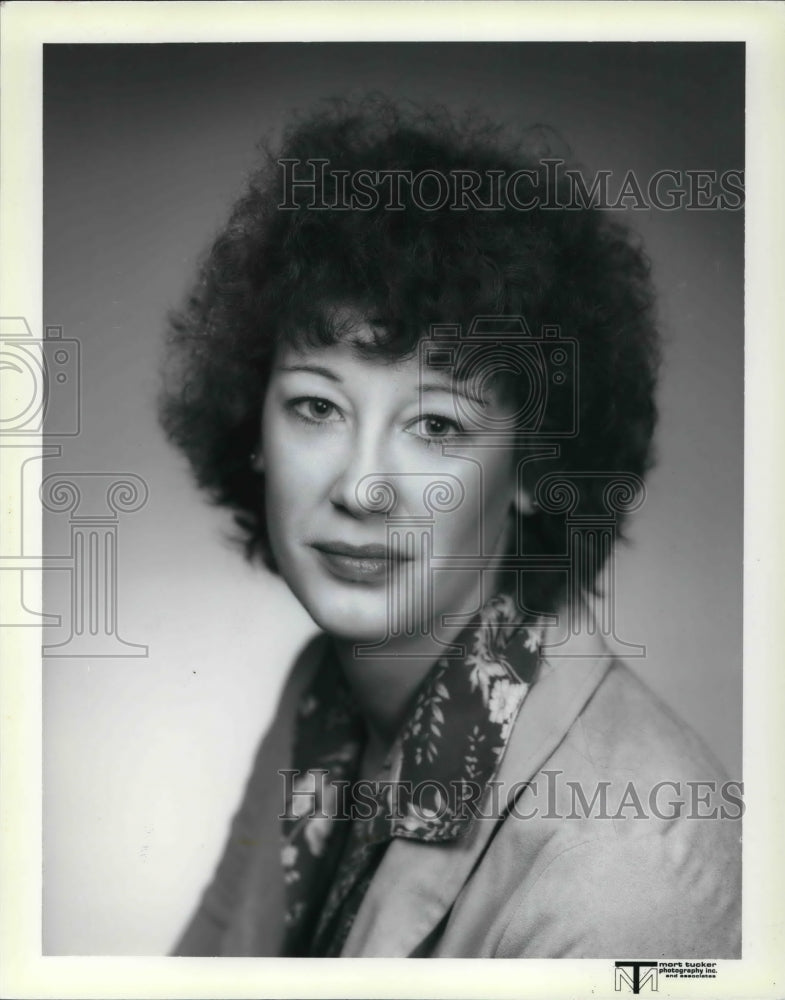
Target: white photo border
[(24, 972)]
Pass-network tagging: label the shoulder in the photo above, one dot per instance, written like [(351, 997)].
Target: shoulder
[(624, 840), (626, 727), (305, 665), (274, 750), (239, 912)]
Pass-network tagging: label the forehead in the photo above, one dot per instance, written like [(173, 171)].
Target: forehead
[(354, 347), (378, 383), (347, 361)]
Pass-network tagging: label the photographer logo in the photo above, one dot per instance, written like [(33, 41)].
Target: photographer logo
[(636, 975)]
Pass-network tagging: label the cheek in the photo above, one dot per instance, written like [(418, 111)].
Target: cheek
[(288, 461), (498, 499), (499, 502), (483, 515), (286, 480), (499, 486), (297, 469)]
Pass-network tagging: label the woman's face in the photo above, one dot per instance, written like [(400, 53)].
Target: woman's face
[(354, 450)]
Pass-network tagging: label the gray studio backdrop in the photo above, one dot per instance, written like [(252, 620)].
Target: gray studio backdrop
[(147, 744)]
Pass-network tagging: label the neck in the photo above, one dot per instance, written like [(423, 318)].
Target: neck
[(385, 685)]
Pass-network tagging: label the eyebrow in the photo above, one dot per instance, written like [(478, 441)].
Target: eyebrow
[(456, 388), (314, 369)]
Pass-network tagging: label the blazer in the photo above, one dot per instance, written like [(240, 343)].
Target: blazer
[(623, 840)]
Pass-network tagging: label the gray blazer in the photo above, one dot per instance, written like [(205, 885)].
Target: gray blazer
[(622, 842)]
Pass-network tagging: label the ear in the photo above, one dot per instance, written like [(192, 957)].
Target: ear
[(524, 503), (257, 461)]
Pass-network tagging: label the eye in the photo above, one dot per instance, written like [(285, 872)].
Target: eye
[(315, 410), (433, 427)]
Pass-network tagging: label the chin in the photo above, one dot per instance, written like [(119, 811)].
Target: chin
[(354, 617), (354, 627)]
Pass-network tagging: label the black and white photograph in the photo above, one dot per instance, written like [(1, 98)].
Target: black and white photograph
[(384, 413)]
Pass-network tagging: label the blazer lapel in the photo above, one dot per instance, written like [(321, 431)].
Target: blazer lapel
[(416, 882)]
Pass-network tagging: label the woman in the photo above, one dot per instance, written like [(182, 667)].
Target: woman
[(416, 368)]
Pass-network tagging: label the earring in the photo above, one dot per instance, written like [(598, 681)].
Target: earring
[(524, 504)]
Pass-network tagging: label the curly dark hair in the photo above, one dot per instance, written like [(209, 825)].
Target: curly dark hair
[(275, 274)]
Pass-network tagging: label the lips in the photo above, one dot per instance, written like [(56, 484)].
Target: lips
[(357, 563)]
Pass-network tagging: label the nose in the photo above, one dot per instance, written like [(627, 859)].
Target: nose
[(363, 485)]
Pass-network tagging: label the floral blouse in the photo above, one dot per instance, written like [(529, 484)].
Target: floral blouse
[(336, 829)]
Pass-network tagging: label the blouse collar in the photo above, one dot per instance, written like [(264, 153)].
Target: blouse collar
[(446, 754)]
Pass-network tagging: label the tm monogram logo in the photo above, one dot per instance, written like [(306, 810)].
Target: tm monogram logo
[(633, 978)]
